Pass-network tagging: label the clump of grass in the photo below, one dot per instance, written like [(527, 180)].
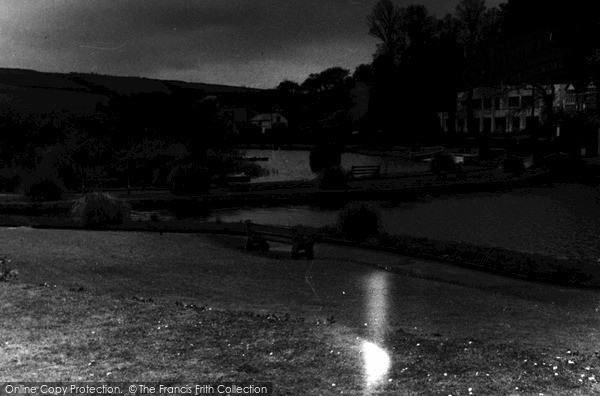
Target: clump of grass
[(7, 273), (99, 210), (359, 221)]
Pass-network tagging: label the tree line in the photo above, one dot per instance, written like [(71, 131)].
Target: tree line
[(421, 61)]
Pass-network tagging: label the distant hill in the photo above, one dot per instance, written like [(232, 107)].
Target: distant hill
[(30, 91)]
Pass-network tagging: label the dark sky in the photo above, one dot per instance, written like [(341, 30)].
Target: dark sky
[(256, 43)]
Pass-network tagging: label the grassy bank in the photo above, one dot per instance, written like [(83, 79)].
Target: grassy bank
[(524, 265), (54, 334), (518, 264)]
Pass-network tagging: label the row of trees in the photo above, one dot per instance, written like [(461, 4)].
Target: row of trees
[(139, 139), (421, 62)]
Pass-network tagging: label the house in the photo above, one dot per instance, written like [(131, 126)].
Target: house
[(510, 109), (234, 119), (267, 121)]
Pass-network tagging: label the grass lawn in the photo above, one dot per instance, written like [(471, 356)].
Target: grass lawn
[(124, 309), (54, 334)]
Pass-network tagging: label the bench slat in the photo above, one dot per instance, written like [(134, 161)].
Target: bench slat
[(365, 170)]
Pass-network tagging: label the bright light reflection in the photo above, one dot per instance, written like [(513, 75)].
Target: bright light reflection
[(377, 362)]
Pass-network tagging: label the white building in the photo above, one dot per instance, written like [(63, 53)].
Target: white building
[(503, 110), (267, 121)]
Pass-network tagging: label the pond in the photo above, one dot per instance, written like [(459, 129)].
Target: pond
[(563, 220), (294, 164)]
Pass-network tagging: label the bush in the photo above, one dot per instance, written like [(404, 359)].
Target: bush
[(324, 156), (332, 179), (185, 179), (443, 163), (43, 187), (513, 165), (10, 179), (97, 210), (61, 162), (359, 221)]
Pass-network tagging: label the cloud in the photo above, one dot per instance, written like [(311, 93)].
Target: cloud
[(241, 39)]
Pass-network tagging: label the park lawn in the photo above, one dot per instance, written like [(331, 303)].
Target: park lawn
[(116, 306), (54, 334)]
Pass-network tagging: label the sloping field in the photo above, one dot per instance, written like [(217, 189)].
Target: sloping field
[(114, 306)]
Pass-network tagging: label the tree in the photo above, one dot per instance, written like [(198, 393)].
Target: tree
[(333, 79), (327, 99), (573, 28), (384, 23), (406, 68), (417, 28), (450, 65), (288, 88), (363, 73), (472, 19), (470, 15)]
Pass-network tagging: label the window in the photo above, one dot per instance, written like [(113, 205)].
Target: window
[(476, 103), (571, 96), (487, 124), (475, 125), (513, 101), (527, 101), (516, 124), (487, 103), (497, 104), (500, 124)]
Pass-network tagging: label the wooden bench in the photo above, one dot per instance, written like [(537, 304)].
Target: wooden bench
[(301, 240), (365, 171)]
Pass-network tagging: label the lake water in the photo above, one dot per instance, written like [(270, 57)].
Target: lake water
[(563, 220), (294, 164)]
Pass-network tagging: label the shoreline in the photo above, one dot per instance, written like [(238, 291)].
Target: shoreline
[(512, 263)]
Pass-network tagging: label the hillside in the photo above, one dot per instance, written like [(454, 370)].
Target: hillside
[(29, 91)]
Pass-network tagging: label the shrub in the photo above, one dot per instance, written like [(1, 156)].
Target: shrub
[(332, 179), (324, 156), (10, 179), (97, 210), (61, 162), (513, 165), (443, 162), (359, 221), (43, 187), (189, 179)]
